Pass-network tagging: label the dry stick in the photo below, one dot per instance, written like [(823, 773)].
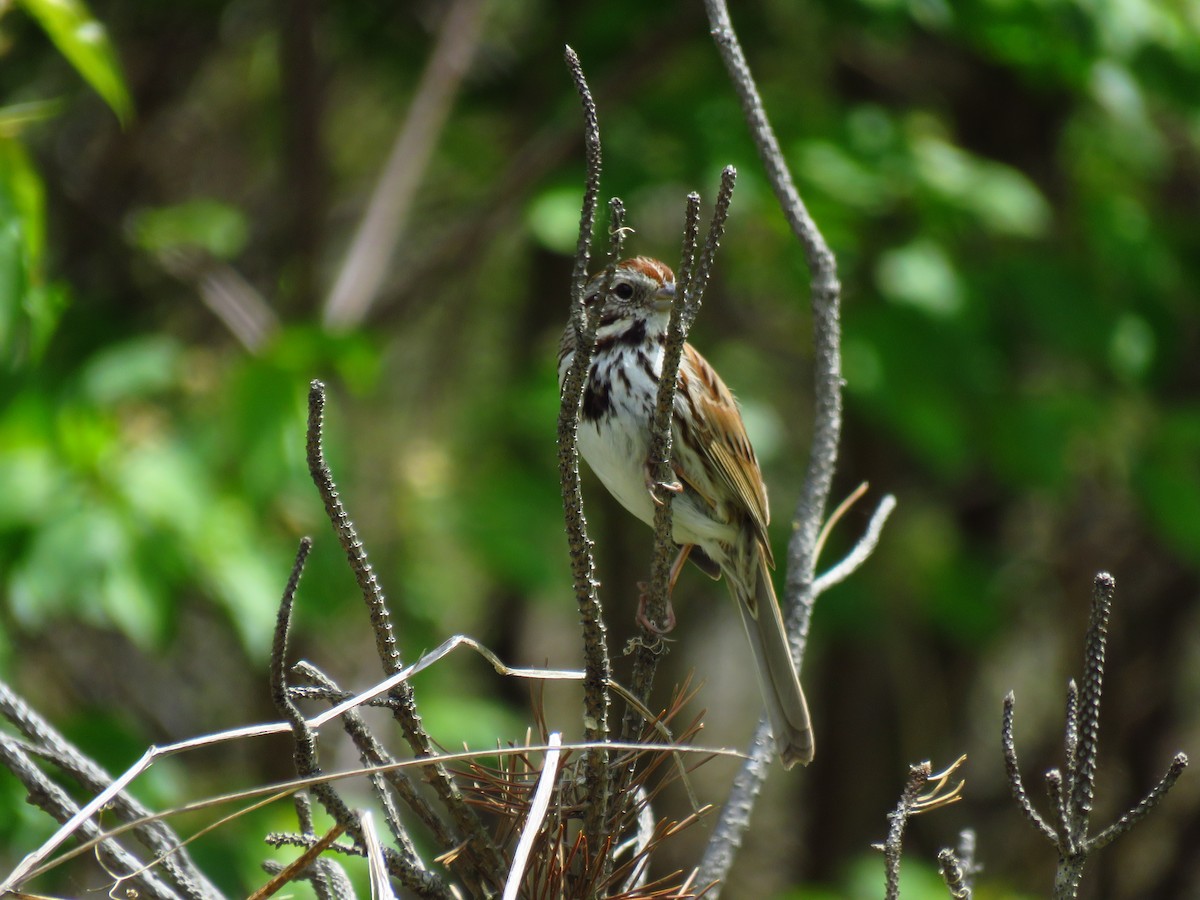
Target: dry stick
[(363, 269), (1071, 795), (827, 424), (1013, 770), (323, 875), (914, 803), (953, 874), (304, 741), (660, 454), (958, 867), (1083, 774), (296, 868), (34, 863), (648, 649), (403, 863), (1144, 807), (490, 863), (651, 647), (693, 279), (897, 819), (597, 665), (372, 753), (49, 744), (52, 799)]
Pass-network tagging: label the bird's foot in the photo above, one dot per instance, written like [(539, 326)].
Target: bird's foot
[(666, 626)]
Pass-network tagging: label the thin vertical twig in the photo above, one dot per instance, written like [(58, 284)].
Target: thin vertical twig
[(1088, 743), (827, 424), (403, 863), (647, 649), (690, 286), (404, 709), (897, 820), (597, 665)]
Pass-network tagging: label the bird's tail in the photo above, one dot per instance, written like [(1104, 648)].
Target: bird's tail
[(787, 709)]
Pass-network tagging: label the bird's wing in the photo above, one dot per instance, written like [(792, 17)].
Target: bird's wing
[(729, 467)]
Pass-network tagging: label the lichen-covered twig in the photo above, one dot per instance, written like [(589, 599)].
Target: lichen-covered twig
[(402, 862), (798, 595), (47, 743), (693, 279), (404, 709), (923, 792), (958, 867), (1071, 793), (597, 664)]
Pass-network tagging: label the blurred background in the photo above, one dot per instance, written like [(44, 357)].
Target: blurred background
[(1011, 189)]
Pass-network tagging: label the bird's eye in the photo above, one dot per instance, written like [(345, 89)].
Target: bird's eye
[(623, 290)]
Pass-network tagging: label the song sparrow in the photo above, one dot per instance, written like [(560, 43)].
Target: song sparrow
[(720, 508)]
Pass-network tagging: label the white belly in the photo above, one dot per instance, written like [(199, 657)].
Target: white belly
[(618, 457), (618, 454)]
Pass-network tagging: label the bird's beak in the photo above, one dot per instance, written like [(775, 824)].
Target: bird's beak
[(664, 297)]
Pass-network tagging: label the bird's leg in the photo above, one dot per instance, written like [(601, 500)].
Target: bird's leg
[(677, 567), (669, 623)]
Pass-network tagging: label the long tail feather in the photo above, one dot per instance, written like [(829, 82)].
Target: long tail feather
[(787, 709)]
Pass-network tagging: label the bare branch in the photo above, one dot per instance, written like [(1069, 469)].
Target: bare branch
[(596, 657), (1071, 795), (1143, 808), (51, 798), (372, 753), (1084, 778), (810, 511), (49, 744), (295, 869), (366, 261), (404, 710), (912, 803), (958, 867), (862, 550), (1013, 770)]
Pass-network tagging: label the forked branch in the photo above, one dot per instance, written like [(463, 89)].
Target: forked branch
[(1071, 793)]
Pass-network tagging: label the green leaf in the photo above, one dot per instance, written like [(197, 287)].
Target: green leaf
[(205, 223), (1001, 198), (553, 217), (29, 307), (83, 40), (16, 117), (135, 368), (922, 275)]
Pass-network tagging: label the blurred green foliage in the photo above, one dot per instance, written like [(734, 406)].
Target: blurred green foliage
[(1010, 187)]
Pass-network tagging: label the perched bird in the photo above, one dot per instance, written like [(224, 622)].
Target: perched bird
[(720, 510)]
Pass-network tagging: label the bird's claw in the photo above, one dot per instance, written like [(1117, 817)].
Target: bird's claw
[(654, 486), (656, 628)]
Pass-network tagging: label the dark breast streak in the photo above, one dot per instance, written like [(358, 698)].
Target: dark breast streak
[(623, 365), (597, 397)]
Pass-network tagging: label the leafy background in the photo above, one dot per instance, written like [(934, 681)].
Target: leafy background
[(1010, 187)]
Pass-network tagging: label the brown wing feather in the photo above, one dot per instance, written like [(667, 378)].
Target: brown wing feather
[(721, 435)]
